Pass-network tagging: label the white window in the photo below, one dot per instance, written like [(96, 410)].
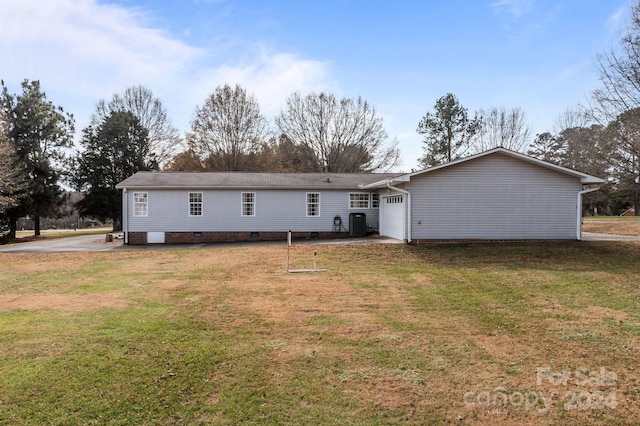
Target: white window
[(195, 204), (313, 204), (397, 199), (140, 204), (358, 200), (248, 204), (375, 200)]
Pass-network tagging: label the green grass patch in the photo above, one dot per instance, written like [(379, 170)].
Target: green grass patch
[(390, 334)]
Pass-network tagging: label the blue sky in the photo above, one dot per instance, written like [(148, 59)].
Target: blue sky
[(401, 56)]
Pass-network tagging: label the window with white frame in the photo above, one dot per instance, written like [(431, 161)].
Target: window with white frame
[(375, 200), (140, 204), (313, 204), (358, 200), (195, 204), (248, 204)]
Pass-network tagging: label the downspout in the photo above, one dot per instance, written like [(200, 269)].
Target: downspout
[(579, 212), (408, 194), (125, 216)]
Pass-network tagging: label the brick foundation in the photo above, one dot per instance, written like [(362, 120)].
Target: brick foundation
[(136, 238)]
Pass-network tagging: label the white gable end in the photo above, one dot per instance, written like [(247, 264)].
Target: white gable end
[(494, 197)]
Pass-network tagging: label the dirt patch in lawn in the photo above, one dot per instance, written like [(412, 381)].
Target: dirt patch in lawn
[(64, 302)]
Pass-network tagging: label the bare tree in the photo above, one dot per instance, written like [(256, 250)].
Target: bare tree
[(227, 128), (337, 135), (620, 74), (624, 131), (164, 139), (573, 117), (502, 128)]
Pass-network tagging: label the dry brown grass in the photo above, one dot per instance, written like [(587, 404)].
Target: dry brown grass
[(389, 334), (613, 225)]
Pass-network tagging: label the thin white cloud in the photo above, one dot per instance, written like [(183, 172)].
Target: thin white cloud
[(525, 20), (270, 77), (83, 51), (617, 20), (515, 8), (85, 45)]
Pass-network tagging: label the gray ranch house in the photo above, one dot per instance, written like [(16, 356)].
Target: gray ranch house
[(495, 195)]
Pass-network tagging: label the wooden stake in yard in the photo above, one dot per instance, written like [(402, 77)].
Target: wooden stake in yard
[(315, 263)]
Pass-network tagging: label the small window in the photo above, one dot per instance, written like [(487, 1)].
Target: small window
[(140, 204), (359, 200), (375, 200), (248, 203), (313, 204), (195, 204)]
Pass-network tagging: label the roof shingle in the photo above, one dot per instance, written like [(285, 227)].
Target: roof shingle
[(237, 180)]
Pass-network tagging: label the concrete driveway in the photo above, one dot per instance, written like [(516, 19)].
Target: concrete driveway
[(62, 245), (97, 243)]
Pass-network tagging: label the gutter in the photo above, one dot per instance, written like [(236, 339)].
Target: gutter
[(125, 216), (408, 215), (579, 212)]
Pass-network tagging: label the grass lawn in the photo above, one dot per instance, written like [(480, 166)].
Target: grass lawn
[(511, 333), (617, 225), (62, 233)]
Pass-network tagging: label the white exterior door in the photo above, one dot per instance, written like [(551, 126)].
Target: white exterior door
[(392, 216)]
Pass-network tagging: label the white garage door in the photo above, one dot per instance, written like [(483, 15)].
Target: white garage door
[(392, 217)]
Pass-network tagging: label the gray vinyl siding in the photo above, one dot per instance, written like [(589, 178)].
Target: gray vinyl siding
[(275, 210), (494, 197)]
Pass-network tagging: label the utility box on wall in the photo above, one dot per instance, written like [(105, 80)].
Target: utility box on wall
[(357, 224)]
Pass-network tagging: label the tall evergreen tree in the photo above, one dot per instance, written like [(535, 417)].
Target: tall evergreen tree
[(114, 150), (12, 184), (447, 131), (585, 148), (40, 132)]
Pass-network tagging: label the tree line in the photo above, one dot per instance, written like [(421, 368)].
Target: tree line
[(132, 132), (601, 137), (317, 132), (582, 139)]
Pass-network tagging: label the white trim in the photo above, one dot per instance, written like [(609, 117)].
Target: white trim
[(146, 204), (125, 215), (579, 210), (307, 204), (252, 203), (371, 197), (201, 202), (584, 178), (407, 212), (368, 194)]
